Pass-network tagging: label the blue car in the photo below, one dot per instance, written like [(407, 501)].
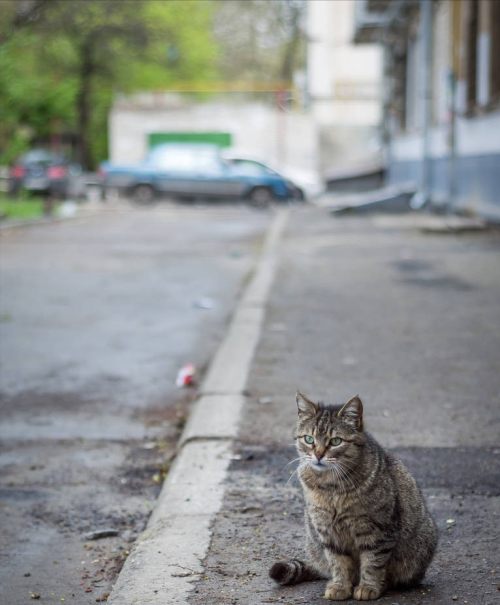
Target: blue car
[(195, 171)]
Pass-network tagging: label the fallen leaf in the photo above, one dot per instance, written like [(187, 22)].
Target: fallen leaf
[(108, 532)]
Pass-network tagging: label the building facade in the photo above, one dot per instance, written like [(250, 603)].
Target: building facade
[(344, 83), (441, 108)]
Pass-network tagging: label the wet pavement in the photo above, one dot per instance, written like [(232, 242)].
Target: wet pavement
[(410, 321), (360, 304), (97, 315), (261, 522)]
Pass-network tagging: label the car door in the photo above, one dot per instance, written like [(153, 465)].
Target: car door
[(218, 179), (187, 171), (174, 172)]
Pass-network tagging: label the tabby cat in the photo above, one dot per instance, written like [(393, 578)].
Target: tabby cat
[(367, 524)]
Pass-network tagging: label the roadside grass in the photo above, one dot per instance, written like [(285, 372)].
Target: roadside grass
[(24, 207)]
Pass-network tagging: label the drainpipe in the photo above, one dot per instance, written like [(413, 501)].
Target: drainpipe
[(456, 17), (394, 16), (422, 197), (452, 182)]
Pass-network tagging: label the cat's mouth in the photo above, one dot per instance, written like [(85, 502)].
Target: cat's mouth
[(318, 464)]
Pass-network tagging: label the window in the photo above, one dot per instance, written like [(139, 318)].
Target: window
[(413, 83), (251, 167), (472, 54), (483, 54), (495, 52)]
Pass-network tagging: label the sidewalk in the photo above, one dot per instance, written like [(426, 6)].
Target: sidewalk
[(368, 305)]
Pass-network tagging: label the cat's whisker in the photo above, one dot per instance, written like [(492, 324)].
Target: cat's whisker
[(338, 478), (294, 474), (291, 462), (335, 479), (339, 474), (343, 470)]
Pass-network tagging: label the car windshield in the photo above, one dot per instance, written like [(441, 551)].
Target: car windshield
[(179, 159), (251, 167), (39, 156)]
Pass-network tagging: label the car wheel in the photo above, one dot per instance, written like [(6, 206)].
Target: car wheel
[(299, 195), (261, 197), (144, 194)]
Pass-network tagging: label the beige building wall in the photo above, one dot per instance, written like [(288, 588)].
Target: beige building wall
[(344, 81), (441, 45)]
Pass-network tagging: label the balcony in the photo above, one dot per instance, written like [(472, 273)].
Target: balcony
[(372, 17), (369, 18)]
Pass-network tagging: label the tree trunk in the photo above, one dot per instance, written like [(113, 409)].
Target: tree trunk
[(289, 58), (83, 105)]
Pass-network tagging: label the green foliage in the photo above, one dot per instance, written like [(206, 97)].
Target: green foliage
[(21, 208), (61, 61), (261, 40), (181, 47), (31, 99)]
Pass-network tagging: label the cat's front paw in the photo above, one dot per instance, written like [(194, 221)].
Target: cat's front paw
[(366, 593), (338, 592)]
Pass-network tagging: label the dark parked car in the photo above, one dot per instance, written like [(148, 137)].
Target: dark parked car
[(194, 171), (42, 171)]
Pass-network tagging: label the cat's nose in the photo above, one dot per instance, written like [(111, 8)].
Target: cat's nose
[(319, 452)]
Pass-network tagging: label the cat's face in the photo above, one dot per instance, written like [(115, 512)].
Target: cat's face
[(328, 438)]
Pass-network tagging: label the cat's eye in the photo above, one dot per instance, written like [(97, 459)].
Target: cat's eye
[(335, 441), (308, 439)]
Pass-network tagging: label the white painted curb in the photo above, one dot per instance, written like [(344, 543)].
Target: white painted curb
[(169, 555)]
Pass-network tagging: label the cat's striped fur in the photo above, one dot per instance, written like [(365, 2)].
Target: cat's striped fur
[(367, 524)]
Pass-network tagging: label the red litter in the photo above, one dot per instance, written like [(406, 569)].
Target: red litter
[(185, 375)]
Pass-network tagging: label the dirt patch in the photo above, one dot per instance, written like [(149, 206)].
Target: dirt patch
[(55, 492), (86, 518), (172, 412)]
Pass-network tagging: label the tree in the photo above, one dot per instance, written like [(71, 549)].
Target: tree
[(99, 45), (260, 39)]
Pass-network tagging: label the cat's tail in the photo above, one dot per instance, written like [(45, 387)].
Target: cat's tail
[(293, 572)]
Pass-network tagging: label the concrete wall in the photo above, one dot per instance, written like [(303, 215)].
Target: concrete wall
[(344, 81)]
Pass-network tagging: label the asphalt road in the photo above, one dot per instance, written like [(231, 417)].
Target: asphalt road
[(410, 321), (97, 315)]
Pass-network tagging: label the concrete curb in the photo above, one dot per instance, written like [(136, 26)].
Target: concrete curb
[(5, 226), (47, 220), (169, 555)]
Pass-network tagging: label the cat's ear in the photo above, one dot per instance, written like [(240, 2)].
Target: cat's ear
[(352, 413), (305, 405)]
